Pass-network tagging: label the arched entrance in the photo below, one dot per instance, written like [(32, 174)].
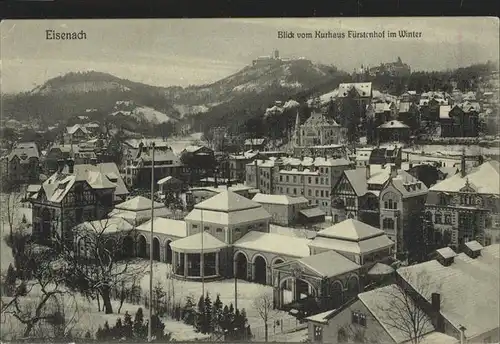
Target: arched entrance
[(168, 252), (156, 249), (336, 295), (141, 247), (302, 295), (128, 247), (260, 269), (352, 288), (280, 261), (241, 266)]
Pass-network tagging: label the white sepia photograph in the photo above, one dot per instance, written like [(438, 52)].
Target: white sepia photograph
[(303, 180)]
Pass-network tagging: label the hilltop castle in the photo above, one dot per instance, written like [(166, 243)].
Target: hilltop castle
[(273, 59)]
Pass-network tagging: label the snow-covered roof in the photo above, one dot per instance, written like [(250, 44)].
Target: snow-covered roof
[(274, 243), (58, 185), (255, 142), (33, 188), (393, 124), (24, 151), (469, 289), (321, 317), (382, 302), (358, 247), (168, 179), (329, 264), (193, 243), (291, 104), (317, 119), (446, 252), (350, 229), (364, 89), (227, 201), (444, 111), (474, 245), (312, 212), (138, 203), (485, 179), (73, 129), (177, 228), (278, 199), (380, 269), (228, 218), (106, 226)]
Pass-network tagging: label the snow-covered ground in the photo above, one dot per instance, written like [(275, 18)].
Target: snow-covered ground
[(145, 113), (247, 292)]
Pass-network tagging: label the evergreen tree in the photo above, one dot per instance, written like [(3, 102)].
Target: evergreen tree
[(99, 335), (189, 312), (10, 280), (217, 313), (224, 320), (128, 326), (139, 324), (106, 331), (157, 327), (118, 329), (208, 324), (200, 315)]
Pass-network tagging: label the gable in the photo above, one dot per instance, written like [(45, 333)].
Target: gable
[(295, 268), (344, 186)]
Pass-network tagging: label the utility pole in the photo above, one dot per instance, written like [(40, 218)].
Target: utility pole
[(235, 286), (150, 329)]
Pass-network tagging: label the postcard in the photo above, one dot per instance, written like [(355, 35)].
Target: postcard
[(319, 180)]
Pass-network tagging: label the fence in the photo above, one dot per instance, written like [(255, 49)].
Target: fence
[(276, 326)]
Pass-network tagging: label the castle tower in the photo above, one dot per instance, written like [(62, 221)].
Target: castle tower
[(276, 54)]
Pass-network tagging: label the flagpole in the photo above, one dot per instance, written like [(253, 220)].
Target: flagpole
[(150, 329), (202, 258)]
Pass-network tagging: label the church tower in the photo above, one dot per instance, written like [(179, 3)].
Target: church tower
[(296, 133)]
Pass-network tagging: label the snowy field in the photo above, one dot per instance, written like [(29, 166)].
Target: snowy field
[(247, 292)]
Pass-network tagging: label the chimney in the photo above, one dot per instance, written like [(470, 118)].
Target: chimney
[(60, 165), (71, 166), (462, 329), (257, 181), (367, 171), (394, 171)]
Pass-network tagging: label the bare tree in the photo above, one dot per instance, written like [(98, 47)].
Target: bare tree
[(39, 281), (97, 267), (11, 203), (402, 312), (265, 307)]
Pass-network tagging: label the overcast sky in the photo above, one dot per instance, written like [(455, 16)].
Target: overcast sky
[(197, 51)]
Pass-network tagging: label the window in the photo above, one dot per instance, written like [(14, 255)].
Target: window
[(309, 192), (326, 170), (195, 226), (322, 193), (317, 193), (316, 180), (327, 181), (447, 219), (327, 193), (295, 179), (388, 223), (318, 333), (321, 169), (309, 180), (294, 191), (281, 178), (322, 181), (342, 336), (359, 318), (218, 230), (287, 178), (237, 230), (206, 228), (438, 218)]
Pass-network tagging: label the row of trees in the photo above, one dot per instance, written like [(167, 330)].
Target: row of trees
[(136, 329), (216, 318)]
